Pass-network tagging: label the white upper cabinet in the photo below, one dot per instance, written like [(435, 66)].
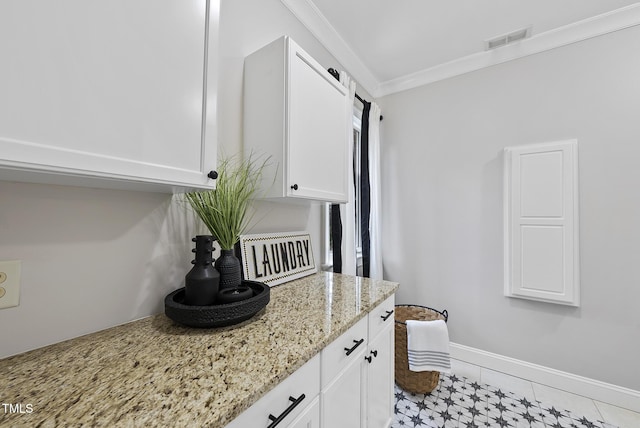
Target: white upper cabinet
[(109, 93), (297, 113)]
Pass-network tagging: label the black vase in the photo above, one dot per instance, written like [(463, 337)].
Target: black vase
[(230, 270), (202, 283)]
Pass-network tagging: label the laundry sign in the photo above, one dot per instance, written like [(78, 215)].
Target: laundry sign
[(274, 258)]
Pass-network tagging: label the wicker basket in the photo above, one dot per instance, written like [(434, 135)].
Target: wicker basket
[(415, 382)]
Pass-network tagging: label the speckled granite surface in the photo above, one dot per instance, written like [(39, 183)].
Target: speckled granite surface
[(153, 372)]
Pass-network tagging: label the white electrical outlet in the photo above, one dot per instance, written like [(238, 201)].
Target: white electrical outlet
[(9, 284)]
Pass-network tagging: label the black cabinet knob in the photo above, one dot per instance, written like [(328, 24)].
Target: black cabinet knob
[(294, 187), (213, 175)]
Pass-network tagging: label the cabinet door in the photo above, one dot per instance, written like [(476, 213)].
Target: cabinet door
[(318, 131), (380, 379), (310, 418), (541, 241), (110, 89), (342, 405)]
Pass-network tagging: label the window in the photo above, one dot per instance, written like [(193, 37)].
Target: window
[(357, 123), (327, 251), (327, 264)]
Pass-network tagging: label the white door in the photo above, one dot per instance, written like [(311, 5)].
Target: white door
[(541, 222)]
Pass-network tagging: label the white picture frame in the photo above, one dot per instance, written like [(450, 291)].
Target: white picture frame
[(276, 258)]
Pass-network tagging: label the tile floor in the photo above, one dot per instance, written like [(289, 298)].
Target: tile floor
[(474, 397)]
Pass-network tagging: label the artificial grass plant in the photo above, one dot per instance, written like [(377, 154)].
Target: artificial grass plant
[(224, 209)]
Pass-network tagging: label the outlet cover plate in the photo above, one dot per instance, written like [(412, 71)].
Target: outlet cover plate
[(10, 284)]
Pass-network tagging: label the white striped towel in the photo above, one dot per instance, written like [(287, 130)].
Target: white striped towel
[(428, 346)]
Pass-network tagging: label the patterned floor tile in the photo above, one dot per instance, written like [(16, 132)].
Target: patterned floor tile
[(460, 402)]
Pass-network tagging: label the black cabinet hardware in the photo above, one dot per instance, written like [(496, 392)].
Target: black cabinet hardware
[(294, 187), (369, 357), (353, 348), (294, 402), (213, 175), (386, 317)]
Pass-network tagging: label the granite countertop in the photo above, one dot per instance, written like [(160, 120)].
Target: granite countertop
[(154, 372)]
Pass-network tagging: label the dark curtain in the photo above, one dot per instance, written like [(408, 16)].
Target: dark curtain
[(336, 237), (365, 190), (364, 202)]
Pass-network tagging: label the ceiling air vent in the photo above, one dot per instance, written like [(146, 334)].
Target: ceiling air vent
[(505, 39)]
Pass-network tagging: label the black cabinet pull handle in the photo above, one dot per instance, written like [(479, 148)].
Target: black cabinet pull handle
[(374, 353), (368, 358), (213, 175), (353, 348), (294, 187), (294, 402), (386, 317)]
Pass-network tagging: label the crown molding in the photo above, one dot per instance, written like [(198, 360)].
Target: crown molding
[(599, 25), (309, 15)]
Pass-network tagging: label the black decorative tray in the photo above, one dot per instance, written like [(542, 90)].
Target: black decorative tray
[(216, 315)]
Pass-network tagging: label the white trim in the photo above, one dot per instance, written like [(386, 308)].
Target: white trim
[(37, 162), (309, 15), (601, 391), (599, 25)]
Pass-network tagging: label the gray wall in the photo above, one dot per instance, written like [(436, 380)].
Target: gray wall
[(95, 258), (442, 198)]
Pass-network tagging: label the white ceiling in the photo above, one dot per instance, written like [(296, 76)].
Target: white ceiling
[(395, 39)]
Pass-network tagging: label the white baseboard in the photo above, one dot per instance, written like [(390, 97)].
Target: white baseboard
[(591, 388)]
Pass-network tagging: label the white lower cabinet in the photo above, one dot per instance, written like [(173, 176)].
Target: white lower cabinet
[(349, 384), (291, 403), (342, 379), (357, 389)]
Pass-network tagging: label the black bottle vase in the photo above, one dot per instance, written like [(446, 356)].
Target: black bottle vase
[(230, 270), (202, 283)]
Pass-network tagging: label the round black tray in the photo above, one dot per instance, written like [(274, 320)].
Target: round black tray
[(216, 315)]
